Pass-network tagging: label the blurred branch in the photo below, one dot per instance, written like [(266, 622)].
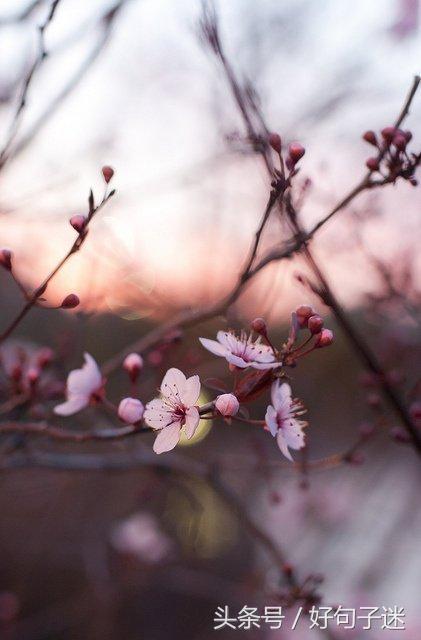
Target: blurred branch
[(5, 153), (174, 464), (106, 22), (57, 433)]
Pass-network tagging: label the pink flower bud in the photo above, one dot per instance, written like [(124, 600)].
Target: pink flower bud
[(259, 326), (45, 357), (372, 164), (415, 410), (296, 151), (370, 137), (78, 222), (366, 429), (303, 313), (70, 302), (388, 133), (400, 142), (6, 259), (130, 410), (33, 376), (133, 363), (108, 173), (315, 324), (324, 338), (155, 358), (399, 435), (227, 404), (275, 142), (408, 136)]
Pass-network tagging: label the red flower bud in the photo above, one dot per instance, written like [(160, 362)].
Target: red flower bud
[(259, 326), (399, 435), (372, 164), (400, 142), (415, 410), (370, 137), (108, 173), (33, 376), (6, 259), (315, 324), (324, 338), (70, 302), (45, 357), (296, 151), (275, 142), (408, 135), (388, 133), (303, 313), (78, 222)]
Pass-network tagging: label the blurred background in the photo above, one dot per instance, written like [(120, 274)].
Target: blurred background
[(128, 554)]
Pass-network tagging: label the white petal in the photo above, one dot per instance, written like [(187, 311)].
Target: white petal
[(157, 414), (226, 339), (173, 385), (264, 365), (73, 405), (84, 380), (192, 420), (237, 361), (283, 445), (213, 346), (271, 421), (279, 393), (167, 438), (293, 432), (191, 392)]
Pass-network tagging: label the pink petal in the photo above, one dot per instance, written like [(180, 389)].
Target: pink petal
[(84, 380), (283, 445), (264, 365), (192, 420), (191, 392), (271, 421), (73, 405), (279, 393), (167, 438), (237, 361), (213, 346), (157, 414), (294, 433), (173, 385)]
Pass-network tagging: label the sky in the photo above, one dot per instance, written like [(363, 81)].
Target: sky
[(154, 105)]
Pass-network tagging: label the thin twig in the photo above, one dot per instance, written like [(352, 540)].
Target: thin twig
[(40, 290), (41, 56)]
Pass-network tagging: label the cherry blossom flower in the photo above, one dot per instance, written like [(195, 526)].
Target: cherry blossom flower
[(241, 351), (82, 384), (176, 409), (281, 419)]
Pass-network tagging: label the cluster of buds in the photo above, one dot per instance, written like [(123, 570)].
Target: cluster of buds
[(24, 377), (294, 155), (392, 160), (306, 318)]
